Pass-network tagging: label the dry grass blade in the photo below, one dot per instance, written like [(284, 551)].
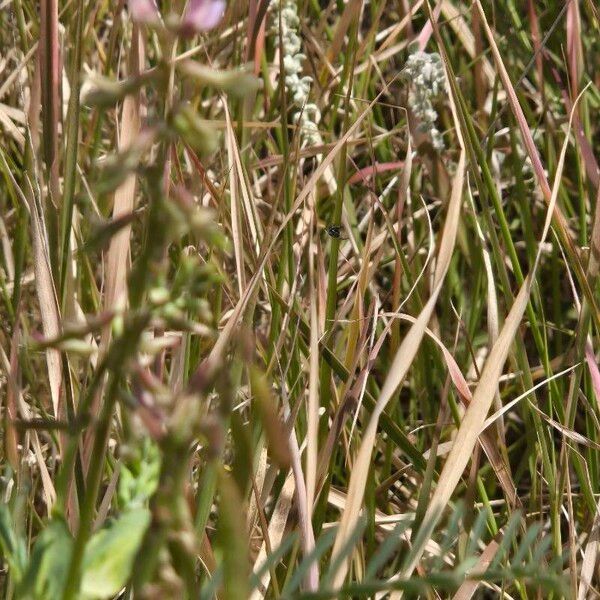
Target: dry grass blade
[(351, 12), (124, 200), (590, 553), (386, 523), (304, 514), (46, 293), (467, 590), (499, 413), (397, 29), (276, 529), (48, 303), (397, 371), (8, 122), (492, 310), (44, 282), (566, 432), (457, 22), (249, 204), (590, 556), (236, 217), (286, 240)]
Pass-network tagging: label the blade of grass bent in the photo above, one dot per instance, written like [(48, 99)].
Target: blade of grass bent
[(487, 441), (468, 432)]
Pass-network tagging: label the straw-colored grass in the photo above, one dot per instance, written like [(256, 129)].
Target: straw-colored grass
[(282, 318)]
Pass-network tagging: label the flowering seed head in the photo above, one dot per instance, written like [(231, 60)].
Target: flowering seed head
[(425, 73)]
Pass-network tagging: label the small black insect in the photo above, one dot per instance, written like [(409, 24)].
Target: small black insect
[(334, 231)]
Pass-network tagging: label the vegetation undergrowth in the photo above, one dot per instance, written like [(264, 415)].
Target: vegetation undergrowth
[(299, 299)]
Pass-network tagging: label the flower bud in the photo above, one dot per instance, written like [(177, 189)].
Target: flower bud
[(197, 132), (144, 11), (201, 15)]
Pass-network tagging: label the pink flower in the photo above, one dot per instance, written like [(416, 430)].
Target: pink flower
[(144, 11), (202, 15), (199, 16)]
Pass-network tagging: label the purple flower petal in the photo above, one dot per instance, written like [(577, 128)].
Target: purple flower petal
[(144, 11), (202, 15)]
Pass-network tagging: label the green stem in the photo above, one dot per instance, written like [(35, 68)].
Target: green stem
[(331, 302), (71, 152)]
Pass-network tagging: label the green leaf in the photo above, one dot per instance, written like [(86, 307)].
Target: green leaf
[(323, 544), (47, 572), (109, 555), (232, 540), (12, 545), (199, 133), (138, 478)]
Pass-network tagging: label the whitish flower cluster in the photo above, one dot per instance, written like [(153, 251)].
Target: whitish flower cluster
[(298, 86), (425, 74)]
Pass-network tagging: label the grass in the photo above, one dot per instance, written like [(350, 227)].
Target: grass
[(263, 336)]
